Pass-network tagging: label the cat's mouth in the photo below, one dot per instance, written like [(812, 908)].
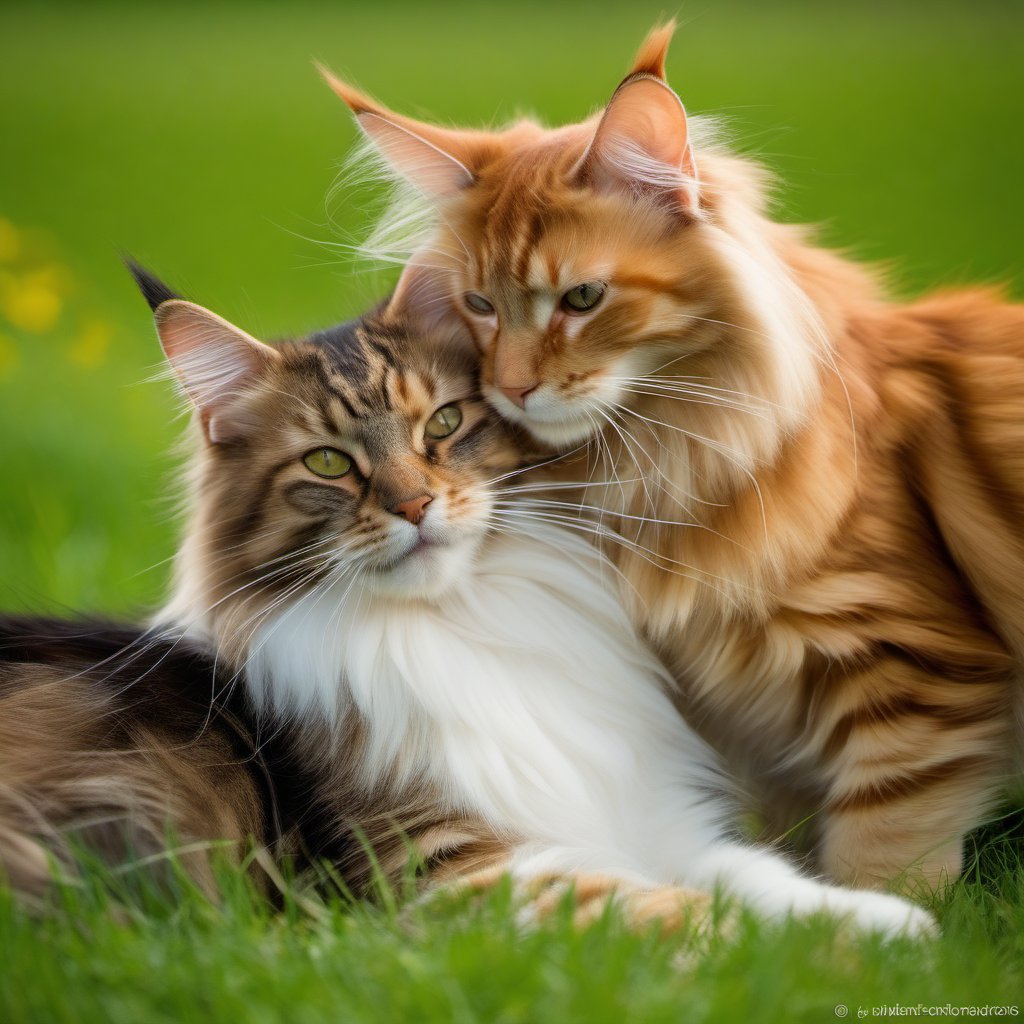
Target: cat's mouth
[(424, 547), (422, 544), (556, 421), (419, 546), (426, 568)]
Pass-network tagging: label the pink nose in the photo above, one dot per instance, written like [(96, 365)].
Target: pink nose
[(518, 395), (413, 509)]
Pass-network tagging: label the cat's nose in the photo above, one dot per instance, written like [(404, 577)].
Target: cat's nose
[(518, 394), (413, 509)]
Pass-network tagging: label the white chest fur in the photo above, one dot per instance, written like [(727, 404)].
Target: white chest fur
[(526, 697)]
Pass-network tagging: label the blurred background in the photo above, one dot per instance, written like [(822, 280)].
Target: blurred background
[(198, 137)]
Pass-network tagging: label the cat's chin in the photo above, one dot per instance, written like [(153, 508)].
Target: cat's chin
[(559, 435), (425, 574)]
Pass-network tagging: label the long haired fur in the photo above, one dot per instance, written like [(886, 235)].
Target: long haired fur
[(814, 494), (115, 742), (459, 678), (425, 669)]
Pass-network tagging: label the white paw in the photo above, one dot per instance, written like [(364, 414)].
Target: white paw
[(877, 912)]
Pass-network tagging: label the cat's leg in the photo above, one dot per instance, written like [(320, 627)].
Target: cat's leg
[(890, 823), (759, 879), (773, 887), (681, 835), (909, 781), (695, 851), (641, 904)]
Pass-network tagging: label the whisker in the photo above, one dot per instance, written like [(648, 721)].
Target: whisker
[(655, 558), (572, 506)]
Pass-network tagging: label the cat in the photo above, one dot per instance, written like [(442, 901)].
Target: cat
[(449, 675), (814, 494)]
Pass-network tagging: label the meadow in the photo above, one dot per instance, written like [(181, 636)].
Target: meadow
[(197, 137)]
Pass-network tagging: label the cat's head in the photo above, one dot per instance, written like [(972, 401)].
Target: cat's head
[(361, 453), (577, 258)]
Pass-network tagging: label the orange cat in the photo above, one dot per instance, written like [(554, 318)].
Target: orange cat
[(815, 495)]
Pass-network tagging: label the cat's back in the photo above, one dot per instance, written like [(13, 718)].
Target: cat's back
[(110, 738)]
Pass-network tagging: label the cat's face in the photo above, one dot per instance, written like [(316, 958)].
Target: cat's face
[(360, 453), (578, 258), (571, 296)]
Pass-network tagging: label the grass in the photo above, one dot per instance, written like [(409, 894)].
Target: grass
[(171, 955), (197, 137)]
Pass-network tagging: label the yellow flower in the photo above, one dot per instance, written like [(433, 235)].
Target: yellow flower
[(91, 345), (31, 301)]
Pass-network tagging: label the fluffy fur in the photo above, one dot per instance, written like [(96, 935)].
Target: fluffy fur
[(814, 494), (458, 679), (112, 740)]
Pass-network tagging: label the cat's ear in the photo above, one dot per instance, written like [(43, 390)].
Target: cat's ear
[(437, 161), (214, 362), (642, 141), (423, 299)]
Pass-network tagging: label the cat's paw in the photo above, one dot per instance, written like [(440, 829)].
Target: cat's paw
[(877, 912), (591, 893), (670, 908)]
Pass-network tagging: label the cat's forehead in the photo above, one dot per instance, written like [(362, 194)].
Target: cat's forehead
[(530, 224), (361, 375), (540, 234), (549, 254)]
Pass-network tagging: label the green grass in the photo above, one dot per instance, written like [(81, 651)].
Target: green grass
[(198, 137), (172, 956)]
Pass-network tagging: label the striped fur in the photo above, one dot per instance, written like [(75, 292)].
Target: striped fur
[(400, 665), (815, 494), (446, 676)]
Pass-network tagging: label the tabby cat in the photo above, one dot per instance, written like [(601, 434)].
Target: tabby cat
[(815, 495), (438, 672)]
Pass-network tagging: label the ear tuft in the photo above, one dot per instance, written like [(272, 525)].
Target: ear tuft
[(154, 291), (357, 102), (439, 162), (650, 58)]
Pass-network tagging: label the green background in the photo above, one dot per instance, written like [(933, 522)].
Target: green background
[(198, 137)]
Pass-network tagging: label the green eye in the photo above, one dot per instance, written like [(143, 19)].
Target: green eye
[(584, 297), (327, 462), (478, 303), (444, 422)]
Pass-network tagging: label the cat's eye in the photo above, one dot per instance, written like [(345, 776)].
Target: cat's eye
[(444, 422), (327, 462), (584, 297), (478, 304)]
